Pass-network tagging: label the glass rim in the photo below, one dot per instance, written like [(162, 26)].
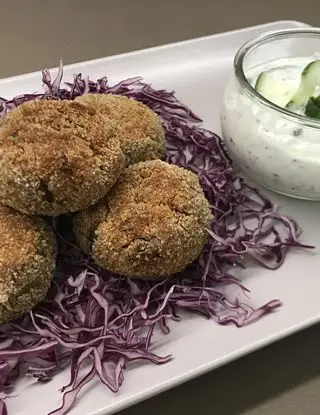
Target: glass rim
[(258, 41)]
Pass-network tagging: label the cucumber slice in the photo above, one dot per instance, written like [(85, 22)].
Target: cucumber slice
[(310, 79), (277, 91)]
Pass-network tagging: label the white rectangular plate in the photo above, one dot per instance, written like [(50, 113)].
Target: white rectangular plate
[(198, 71)]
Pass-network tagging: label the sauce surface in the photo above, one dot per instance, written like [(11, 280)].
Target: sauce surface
[(278, 152)]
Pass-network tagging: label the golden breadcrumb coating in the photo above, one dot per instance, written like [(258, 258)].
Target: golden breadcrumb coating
[(86, 222), (152, 224), (139, 128), (57, 157), (27, 262)]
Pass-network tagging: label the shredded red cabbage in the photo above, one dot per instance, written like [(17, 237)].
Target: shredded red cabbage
[(98, 322)]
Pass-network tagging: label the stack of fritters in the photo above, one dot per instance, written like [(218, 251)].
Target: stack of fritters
[(97, 156)]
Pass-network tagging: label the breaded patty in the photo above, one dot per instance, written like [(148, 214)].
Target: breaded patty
[(57, 157), (151, 225), (27, 262), (139, 128)]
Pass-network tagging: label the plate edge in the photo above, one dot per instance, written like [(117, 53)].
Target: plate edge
[(159, 47)]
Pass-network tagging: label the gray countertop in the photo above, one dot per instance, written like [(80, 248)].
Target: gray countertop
[(281, 379)]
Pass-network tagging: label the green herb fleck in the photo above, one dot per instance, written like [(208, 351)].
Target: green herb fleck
[(313, 108)]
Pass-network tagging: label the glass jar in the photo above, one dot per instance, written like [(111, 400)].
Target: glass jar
[(272, 145)]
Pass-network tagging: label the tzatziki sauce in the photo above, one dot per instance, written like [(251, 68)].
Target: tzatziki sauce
[(277, 150)]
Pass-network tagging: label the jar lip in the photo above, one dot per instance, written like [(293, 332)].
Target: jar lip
[(260, 40)]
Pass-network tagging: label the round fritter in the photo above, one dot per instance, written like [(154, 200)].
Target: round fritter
[(27, 262), (152, 224), (57, 157), (140, 131)]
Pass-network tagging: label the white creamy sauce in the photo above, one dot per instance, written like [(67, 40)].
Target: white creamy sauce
[(276, 151)]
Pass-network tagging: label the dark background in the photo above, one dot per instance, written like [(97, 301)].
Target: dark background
[(36, 33)]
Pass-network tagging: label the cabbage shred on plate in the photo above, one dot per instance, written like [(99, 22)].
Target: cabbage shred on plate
[(99, 323)]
